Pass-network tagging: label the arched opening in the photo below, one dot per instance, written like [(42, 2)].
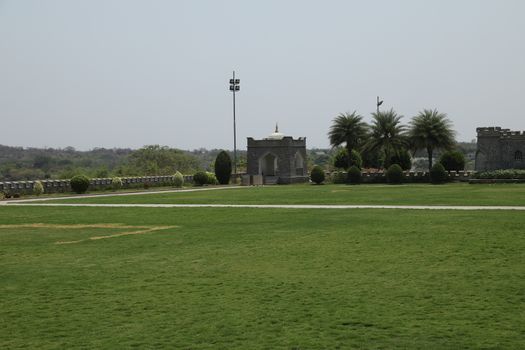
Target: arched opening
[(299, 164), (518, 155), (268, 165)]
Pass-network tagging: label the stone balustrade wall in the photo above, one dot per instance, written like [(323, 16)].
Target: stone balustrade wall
[(57, 186), (412, 176)]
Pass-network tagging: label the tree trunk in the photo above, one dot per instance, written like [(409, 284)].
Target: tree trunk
[(386, 162), (349, 150), (429, 151)]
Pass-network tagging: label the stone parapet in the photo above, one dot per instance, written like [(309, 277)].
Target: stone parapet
[(499, 132), (58, 186)]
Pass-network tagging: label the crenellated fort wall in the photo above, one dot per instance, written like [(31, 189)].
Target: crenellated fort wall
[(499, 149)]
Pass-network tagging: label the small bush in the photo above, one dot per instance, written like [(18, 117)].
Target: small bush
[(146, 185), (200, 178), (178, 179), (354, 175), (116, 183), (223, 168), (339, 177), (394, 174), (211, 179), (16, 195), (438, 174), (38, 188), (79, 183), (2, 195), (317, 175), (452, 161)]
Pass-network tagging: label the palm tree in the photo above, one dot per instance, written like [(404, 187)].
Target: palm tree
[(431, 130), (348, 129), (387, 134)]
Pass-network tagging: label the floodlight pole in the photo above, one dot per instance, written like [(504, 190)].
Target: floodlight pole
[(234, 86)]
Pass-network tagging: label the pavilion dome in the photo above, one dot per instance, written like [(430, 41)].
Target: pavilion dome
[(276, 135)]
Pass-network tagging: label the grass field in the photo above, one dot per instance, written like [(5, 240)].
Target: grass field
[(208, 278), (450, 194)]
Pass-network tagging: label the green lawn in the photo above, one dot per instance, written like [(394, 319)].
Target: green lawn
[(409, 194), (263, 278)]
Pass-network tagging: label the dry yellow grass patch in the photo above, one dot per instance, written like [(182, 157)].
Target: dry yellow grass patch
[(136, 230)]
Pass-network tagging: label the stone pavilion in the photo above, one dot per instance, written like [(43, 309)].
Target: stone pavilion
[(279, 159)]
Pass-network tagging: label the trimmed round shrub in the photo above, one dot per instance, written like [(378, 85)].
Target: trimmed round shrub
[(38, 188), (223, 168), (452, 161), (79, 183), (116, 183), (317, 175), (200, 178), (354, 175), (403, 159), (438, 174), (178, 179), (394, 174), (339, 177), (211, 179), (340, 159)]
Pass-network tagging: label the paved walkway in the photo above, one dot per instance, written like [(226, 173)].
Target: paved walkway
[(271, 206), (14, 201)]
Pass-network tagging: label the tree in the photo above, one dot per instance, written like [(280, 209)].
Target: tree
[(402, 158), (431, 130), (161, 160), (342, 161), (453, 161), (372, 159), (223, 168), (387, 135), (348, 129)]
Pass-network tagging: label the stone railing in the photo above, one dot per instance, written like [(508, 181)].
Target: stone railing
[(54, 186), (412, 176)]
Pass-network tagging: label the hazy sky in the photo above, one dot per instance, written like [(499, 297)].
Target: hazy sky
[(130, 73)]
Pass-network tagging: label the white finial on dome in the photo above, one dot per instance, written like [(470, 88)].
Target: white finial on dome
[(276, 135)]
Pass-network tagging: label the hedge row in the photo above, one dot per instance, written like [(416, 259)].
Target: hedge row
[(501, 174), (393, 175)]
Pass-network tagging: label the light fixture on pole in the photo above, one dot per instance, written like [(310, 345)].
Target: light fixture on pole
[(234, 87), (379, 103)]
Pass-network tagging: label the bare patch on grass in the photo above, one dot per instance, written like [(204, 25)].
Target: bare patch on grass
[(136, 230)]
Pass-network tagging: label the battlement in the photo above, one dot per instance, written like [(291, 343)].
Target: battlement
[(496, 131), (285, 141)]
